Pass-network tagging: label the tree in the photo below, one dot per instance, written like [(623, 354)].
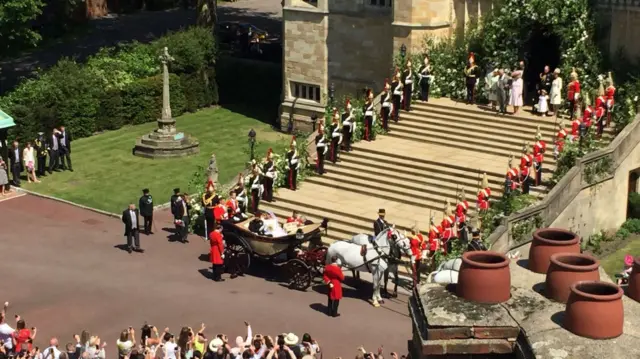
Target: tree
[(16, 30), (207, 13)]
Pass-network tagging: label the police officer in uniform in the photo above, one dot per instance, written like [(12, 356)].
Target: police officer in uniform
[(40, 145), (146, 210)]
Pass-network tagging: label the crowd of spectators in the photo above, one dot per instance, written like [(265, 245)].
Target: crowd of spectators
[(19, 343)]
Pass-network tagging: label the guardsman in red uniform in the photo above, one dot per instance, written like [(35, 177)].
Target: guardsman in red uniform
[(540, 145), (435, 233), (524, 178), (348, 126), (216, 240), (560, 138), (416, 242), (369, 117), (573, 92), (538, 158), (387, 105), (336, 136), (484, 193), (575, 129), (610, 93), (511, 179), (589, 113), (293, 163), (333, 277), (526, 159), (448, 228), (461, 216)]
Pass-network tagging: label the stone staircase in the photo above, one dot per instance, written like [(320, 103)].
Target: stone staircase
[(434, 151)]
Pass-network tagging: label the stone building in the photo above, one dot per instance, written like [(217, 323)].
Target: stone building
[(350, 43)]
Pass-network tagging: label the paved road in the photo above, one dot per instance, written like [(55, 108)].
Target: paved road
[(143, 27), (62, 273)]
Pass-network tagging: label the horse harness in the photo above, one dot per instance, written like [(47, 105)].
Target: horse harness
[(380, 255)]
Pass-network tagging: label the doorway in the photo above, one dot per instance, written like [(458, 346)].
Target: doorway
[(541, 49)]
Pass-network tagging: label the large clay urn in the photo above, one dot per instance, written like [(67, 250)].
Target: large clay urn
[(484, 277), (594, 310), (549, 241), (566, 269), (633, 291)]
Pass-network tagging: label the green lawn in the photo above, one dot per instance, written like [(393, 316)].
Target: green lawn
[(107, 176), (614, 263)]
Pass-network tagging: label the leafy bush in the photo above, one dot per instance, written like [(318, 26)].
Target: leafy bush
[(632, 225), (142, 100)]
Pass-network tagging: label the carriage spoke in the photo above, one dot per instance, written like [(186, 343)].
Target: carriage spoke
[(299, 274)]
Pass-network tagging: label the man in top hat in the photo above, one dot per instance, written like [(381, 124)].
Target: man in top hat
[(512, 180), (397, 90), (131, 220), (321, 149), (333, 278), (146, 210), (270, 176), (448, 227), (41, 149), (610, 93), (560, 137), (336, 136), (369, 117), (387, 105), (471, 73), (407, 79), (348, 126), (461, 216), (216, 240), (484, 194), (380, 224), (573, 92), (293, 163)]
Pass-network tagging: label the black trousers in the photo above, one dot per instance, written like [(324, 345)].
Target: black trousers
[(463, 234), (183, 231), (209, 220), (293, 178), (335, 149), (424, 90), (386, 111), (320, 160), (54, 161), (65, 154), (572, 108), (216, 271), (133, 238), (470, 89), (600, 127), (42, 165), (346, 139), (267, 194), (417, 266), (539, 175), (525, 185), (393, 269), (332, 307), (16, 170), (408, 92), (396, 107), (255, 200), (148, 223), (368, 128)]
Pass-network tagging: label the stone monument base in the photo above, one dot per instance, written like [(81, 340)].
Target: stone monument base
[(159, 145)]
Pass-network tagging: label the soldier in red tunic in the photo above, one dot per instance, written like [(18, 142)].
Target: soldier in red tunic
[(333, 277), (448, 228), (526, 159), (610, 93), (484, 193), (511, 179), (573, 92), (560, 137), (417, 243), (589, 113), (461, 216), (540, 145), (524, 178), (216, 240), (575, 129)]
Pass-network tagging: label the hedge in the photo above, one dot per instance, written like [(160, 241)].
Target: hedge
[(116, 87)]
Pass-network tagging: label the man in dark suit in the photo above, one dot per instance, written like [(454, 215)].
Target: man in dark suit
[(146, 210), (131, 219), (15, 163), (380, 224), (180, 211), (65, 149), (174, 198), (54, 151)]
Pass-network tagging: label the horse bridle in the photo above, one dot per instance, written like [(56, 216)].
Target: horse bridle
[(392, 238)]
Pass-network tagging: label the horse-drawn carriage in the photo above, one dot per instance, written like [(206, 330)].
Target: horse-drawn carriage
[(300, 265)]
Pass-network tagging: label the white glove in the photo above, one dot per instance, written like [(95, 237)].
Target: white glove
[(222, 256), (413, 259), (330, 285)]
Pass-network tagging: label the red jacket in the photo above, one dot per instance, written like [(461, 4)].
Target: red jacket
[(525, 161), (610, 92), (416, 246), (599, 112), (219, 213), (232, 205), (587, 116), (575, 126), (601, 101), (560, 136), (434, 237), (461, 211), (574, 88), (483, 198), (512, 174), (333, 274), (539, 158), (539, 147), (298, 221), (217, 247)]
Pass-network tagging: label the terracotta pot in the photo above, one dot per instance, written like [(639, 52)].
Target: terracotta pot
[(594, 310), (633, 291), (484, 277), (549, 241), (566, 269)]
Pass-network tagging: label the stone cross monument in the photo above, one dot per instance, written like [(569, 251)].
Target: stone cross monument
[(165, 141)]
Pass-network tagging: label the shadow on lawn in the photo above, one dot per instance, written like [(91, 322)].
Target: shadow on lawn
[(265, 113)]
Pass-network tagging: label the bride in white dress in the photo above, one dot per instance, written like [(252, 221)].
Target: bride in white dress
[(271, 226)]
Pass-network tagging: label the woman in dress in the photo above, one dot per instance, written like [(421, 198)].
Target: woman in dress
[(556, 92), (4, 179), (516, 92), (28, 156)]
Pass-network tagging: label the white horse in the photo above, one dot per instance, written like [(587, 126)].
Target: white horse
[(365, 254), (447, 272)]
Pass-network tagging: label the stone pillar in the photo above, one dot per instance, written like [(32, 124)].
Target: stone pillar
[(414, 19), (166, 123)]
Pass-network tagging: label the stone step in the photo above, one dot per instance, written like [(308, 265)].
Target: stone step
[(421, 164), (362, 168), (478, 145)]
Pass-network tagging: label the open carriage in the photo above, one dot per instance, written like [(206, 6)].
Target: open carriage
[(301, 266)]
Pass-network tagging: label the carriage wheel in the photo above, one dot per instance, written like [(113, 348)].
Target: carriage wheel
[(238, 257), (299, 274), (319, 256)]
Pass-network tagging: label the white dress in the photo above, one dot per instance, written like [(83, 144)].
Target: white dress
[(516, 93), (556, 91), (543, 106), (272, 227), (28, 158)]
